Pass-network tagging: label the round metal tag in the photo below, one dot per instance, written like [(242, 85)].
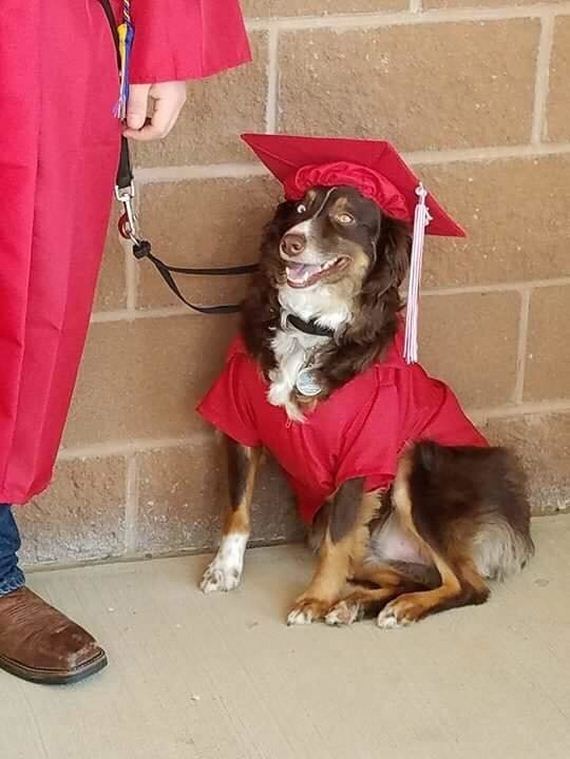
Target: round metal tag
[(307, 384)]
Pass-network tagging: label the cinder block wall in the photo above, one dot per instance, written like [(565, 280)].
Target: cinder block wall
[(479, 99)]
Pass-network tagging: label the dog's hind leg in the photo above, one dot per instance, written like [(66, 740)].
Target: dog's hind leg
[(225, 570), (343, 546), (460, 582), (383, 583)]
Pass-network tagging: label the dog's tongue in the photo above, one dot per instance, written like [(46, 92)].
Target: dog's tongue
[(297, 272)]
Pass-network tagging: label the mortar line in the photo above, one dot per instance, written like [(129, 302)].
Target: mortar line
[(521, 347), (272, 104), (102, 317), (491, 153), (380, 19), (131, 505), (159, 174), (545, 43), (153, 174), (527, 408), (130, 447), (498, 287)]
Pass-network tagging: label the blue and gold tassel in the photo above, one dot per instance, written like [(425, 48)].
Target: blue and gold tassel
[(126, 34)]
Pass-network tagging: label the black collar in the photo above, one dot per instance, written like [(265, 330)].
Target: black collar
[(310, 327)]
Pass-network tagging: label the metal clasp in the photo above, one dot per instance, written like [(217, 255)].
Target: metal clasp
[(128, 220)]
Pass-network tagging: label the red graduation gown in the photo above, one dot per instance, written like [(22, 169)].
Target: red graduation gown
[(359, 431), (58, 155)]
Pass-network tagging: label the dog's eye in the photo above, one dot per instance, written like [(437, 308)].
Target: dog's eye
[(345, 218), (301, 208)]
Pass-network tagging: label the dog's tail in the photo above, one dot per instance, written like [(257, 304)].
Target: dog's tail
[(493, 481), (499, 550)]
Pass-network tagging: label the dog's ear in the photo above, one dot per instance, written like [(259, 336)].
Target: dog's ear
[(393, 250), (376, 320), (260, 309), (277, 226)]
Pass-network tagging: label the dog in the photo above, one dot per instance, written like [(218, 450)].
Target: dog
[(321, 325)]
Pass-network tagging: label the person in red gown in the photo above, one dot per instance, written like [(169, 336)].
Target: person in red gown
[(59, 147)]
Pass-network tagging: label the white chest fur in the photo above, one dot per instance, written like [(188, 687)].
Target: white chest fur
[(293, 348)]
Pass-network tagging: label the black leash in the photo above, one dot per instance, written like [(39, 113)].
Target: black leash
[(125, 194)]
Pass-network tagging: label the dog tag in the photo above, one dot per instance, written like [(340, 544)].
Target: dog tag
[(307, 384)]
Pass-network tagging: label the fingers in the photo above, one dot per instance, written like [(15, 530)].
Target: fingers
[(169, 98), (137, 105), (161, 122)]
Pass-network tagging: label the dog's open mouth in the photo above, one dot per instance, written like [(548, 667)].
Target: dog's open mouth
[(305, 275)]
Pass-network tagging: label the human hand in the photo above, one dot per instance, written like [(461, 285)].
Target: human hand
[(168, 99)]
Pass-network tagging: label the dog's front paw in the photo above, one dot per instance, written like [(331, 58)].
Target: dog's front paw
[(344, 613), (224, 572), (220, 577), (307, 610), (400, 612)]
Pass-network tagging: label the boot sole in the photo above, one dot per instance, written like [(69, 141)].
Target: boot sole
[(52, 676)]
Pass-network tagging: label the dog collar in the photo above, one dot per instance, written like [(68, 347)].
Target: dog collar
[(309, 328)]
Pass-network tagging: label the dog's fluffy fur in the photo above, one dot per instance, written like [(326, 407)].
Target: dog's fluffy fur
[(454, 517)]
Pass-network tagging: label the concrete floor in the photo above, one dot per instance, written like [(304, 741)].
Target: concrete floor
[(223, 678)]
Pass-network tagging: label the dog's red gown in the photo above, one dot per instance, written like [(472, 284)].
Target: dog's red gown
[(59, 148), (358, 432)]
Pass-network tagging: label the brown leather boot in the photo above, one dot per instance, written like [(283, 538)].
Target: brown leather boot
[(40, 644)]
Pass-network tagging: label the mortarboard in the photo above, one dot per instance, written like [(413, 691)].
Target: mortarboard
[(376, 169)]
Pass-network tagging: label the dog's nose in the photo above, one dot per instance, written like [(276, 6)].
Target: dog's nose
[(293, 244)]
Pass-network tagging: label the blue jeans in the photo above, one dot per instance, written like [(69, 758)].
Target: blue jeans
[(11, 576)]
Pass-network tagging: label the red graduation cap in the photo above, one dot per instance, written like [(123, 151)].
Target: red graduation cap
[(376, 169)]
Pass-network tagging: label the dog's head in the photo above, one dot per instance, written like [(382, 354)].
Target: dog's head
[(335, 257), (337, 239)]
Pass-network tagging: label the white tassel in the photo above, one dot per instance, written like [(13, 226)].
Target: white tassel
[(421, 219)]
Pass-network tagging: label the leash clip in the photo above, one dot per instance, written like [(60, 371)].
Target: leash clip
[(128, 221)]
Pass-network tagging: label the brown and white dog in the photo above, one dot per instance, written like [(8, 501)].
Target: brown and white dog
[(453, 517)]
